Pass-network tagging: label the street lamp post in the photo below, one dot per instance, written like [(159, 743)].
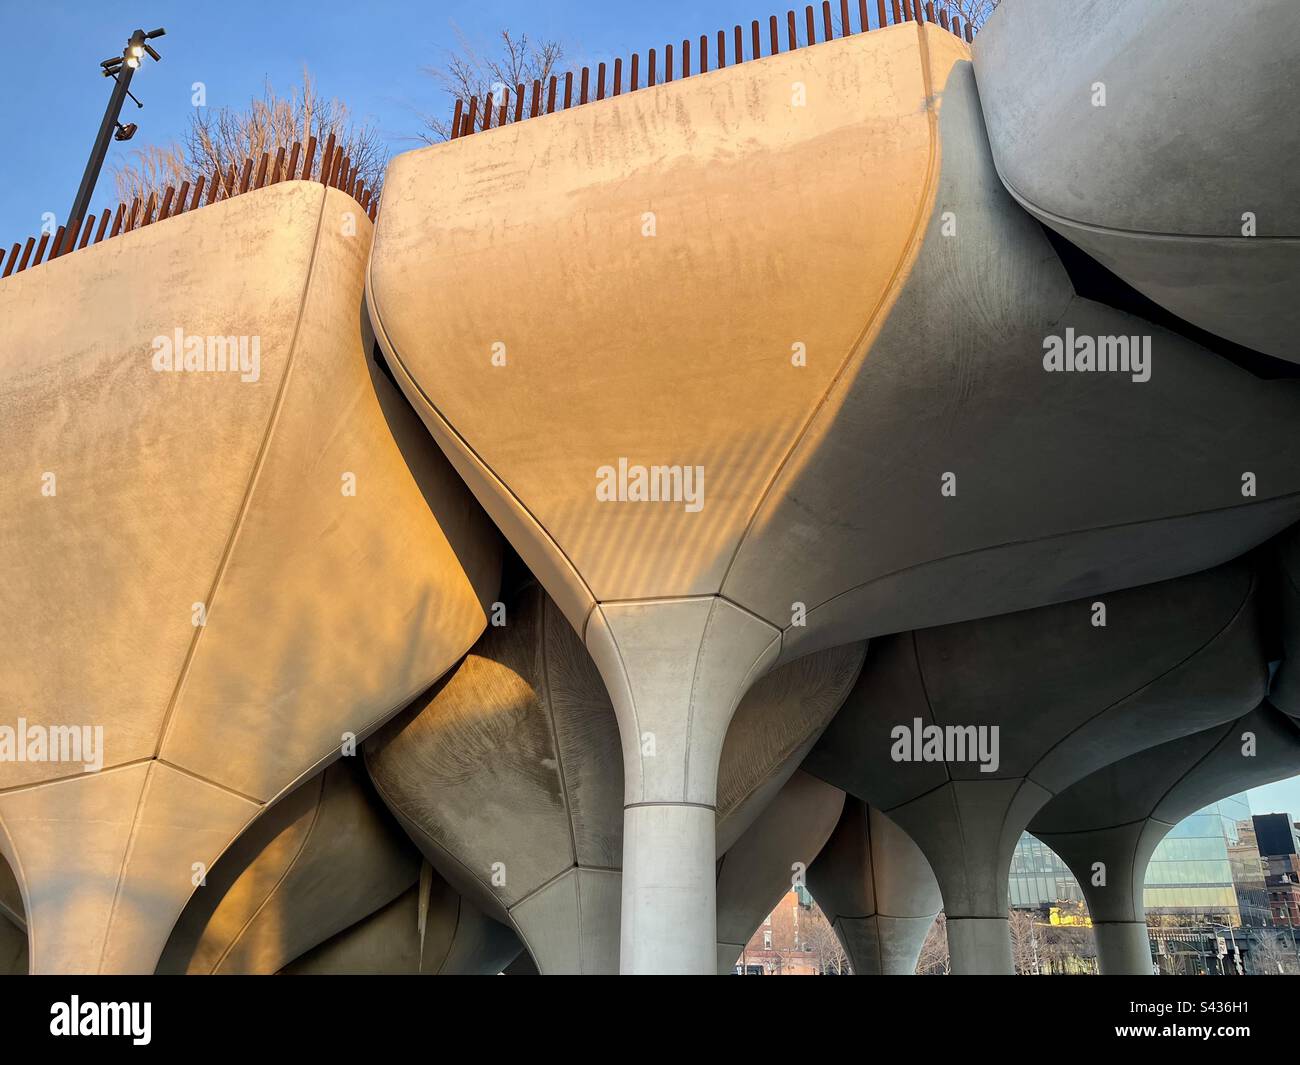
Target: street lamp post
[(120, 68)]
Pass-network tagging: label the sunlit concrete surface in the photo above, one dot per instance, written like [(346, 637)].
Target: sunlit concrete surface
[(1067, 697), (508, 777), (1107, 826), (1106, 127), (199, 583), (877, 890), (867, 230), (771, 856), (321, 859)]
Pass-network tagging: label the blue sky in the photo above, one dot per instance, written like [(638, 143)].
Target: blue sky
[(369, 54)]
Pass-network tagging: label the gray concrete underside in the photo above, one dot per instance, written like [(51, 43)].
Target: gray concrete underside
[(1067, 698), (1106, 826), (1155, 184)]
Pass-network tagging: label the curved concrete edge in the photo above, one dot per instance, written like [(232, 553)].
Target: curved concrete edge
[(877, 890), (1109, 860), (1234, 287), (569, 926), (302, 872), (776, 850), (539, 552), (883, 946), (1166, 214), (675, 670), (126, 871), (1286, 684), (454, 939)]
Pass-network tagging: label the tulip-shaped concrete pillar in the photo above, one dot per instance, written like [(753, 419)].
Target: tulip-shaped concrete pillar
[(772, 855), (877, 890), (676, 671), (961, 733), (1106, 826)]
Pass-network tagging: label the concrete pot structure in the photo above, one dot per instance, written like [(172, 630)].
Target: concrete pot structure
[(1105, 128), (1107, 826), (961, 733), (232, 573), (317, 862), (853, 434), (508, 776), (877, 890), (774, 853)]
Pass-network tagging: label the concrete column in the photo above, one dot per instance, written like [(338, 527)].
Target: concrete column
[(967, 830), (758, 870), (877, 890), (1110, 865), (980, 946), (1123, 948), (675, 669)]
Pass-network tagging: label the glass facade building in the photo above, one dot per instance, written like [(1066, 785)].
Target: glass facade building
[(1201, 872)]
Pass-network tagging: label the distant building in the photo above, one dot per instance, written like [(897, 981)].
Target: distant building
[(1277, 835), (782, 946), (1205, 871), (1279, 844)]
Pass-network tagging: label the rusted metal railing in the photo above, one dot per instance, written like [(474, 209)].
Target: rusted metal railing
[(336, 170), (524, 102)]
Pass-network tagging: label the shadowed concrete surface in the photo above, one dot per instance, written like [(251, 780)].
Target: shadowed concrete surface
[(1286, 687), (228, 621), (13, 925), (1066, 697), (507, 776), (319, 860), (770, 857), (429, 929), (1106, 827), (821, 229), (877, 890), (1156, 183)]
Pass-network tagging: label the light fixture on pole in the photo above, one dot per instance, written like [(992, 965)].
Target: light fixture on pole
[(120, 69)]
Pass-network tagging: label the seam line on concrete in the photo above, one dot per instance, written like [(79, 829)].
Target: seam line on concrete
[(1187, 658), (925, 692), (542, 600), (1145, 234), (873, 324), (33, 785), (381, 334), (302, 847), (699, 805), (631, 695), (127, 851), (250, 488), (1183, 516), (212, 783), (690, 705)]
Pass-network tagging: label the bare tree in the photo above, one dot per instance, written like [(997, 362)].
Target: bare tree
[(817, 932), (934, 959), (973, 12), (519, 60), (219, 138), (1024, 943), (1272, 954)]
